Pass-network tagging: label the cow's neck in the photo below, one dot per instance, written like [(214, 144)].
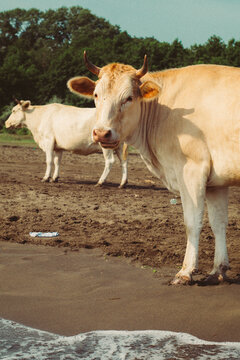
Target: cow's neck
[(31, 119), (146, 137)]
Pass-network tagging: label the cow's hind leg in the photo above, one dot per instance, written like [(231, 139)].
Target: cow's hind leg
[(109, 161), (217, 204), (122, 154), (57, 160), (192, 189)]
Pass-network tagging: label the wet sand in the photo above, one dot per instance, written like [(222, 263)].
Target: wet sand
[(70, 292)]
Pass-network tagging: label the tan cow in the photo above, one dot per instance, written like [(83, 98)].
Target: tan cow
[(57, 127), (186, 125)]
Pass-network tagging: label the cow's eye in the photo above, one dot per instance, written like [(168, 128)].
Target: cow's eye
[(95, 95), (127, 100)]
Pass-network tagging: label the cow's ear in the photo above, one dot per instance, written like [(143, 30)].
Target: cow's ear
[(25, 104), (149, 90), (81, 86)]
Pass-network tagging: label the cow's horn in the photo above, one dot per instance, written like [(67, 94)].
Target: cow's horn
[(143, 69), (93, 68), (16, 100)]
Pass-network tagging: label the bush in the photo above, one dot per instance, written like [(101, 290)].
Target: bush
[(5, 114)]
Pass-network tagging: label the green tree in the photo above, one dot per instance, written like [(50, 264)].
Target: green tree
[(40, 51)]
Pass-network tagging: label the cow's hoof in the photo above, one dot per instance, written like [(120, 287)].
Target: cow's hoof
[(54, 180), (98, 185), (45, 180), (214, 279), (182, 280), (122, 186)]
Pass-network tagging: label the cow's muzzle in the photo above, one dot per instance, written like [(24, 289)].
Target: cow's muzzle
[(105, 138), (7, 124)]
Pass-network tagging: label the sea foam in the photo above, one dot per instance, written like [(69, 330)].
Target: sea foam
[(21, 342)]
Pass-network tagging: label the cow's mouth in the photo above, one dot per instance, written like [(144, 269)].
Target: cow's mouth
[(110, 145)]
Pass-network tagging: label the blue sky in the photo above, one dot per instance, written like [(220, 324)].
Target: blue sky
[(191, 21)]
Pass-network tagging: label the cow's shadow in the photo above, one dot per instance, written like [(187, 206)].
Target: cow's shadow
[(226, 281), (114, 185)]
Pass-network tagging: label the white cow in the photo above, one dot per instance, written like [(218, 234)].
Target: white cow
[(186, 125), (57, 127)]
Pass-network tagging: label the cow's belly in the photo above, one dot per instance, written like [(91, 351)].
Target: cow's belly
[(84, 148), (225, 170), (227, 176)]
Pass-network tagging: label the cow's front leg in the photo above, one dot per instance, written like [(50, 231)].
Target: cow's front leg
[(122, 154), (193, 223), (57, 162), (217, 204), (192, 191), (109, 161)]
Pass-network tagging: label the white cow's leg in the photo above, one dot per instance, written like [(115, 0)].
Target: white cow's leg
[(49, 162), (57, 160), (122, 153), (192, 190), (109, 161), (217, 204)]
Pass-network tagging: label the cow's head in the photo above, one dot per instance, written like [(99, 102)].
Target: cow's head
[(17, 117), (118, 94)]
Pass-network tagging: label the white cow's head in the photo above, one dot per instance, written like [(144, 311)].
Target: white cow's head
[(117, 94), (17, 117)]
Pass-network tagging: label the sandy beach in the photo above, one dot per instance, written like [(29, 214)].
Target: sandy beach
[(69, 292), (117, 251)]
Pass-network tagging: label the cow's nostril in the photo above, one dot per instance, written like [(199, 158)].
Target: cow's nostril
[(108, 134), (102, 134)]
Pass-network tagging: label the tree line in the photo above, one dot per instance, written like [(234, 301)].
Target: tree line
[(40, 51)]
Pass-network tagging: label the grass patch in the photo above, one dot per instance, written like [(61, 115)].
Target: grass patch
[(27, 140), (14, 139)]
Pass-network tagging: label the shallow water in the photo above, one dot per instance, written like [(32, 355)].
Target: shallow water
[(21, 342)]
